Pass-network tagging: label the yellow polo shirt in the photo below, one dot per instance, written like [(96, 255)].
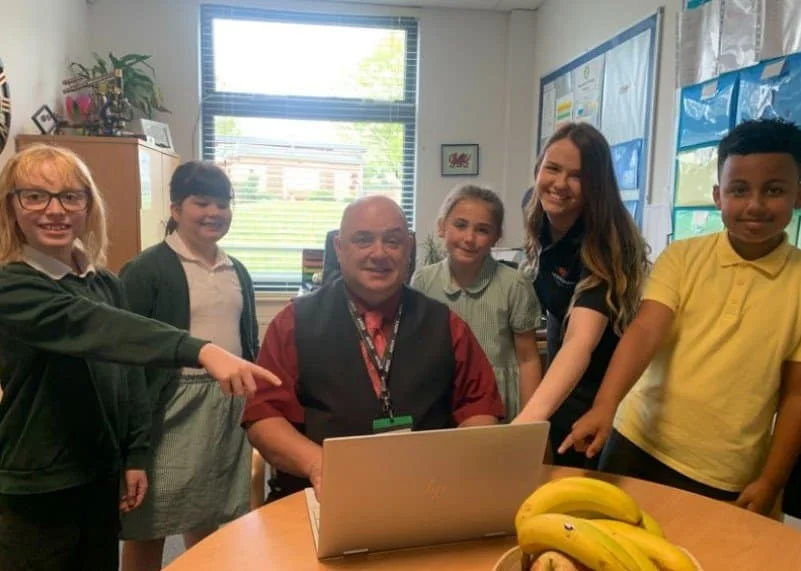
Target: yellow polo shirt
[(705, 405)]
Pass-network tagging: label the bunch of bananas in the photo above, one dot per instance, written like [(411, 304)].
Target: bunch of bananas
[(585, 523)]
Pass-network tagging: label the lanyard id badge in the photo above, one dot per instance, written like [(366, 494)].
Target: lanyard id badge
[(394, 424), (388, 422)]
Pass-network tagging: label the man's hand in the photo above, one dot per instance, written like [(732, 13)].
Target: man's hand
[(590, 432), (135, 489), (315, 474), (234, 375), (759, 496)]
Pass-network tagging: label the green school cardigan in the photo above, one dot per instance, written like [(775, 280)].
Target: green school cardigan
[(156, 286)]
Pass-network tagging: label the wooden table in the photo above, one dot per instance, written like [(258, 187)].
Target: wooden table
[(277, 537)]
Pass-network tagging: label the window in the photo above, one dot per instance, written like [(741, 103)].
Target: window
[(306, 112)]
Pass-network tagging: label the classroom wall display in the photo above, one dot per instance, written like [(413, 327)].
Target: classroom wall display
[(696, 174), (782, 28), (708, 110), (611, 87), (718, 36)]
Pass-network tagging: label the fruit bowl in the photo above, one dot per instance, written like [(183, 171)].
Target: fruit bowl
[(694, 560), (509, 561), (580, 523), (512, 560)]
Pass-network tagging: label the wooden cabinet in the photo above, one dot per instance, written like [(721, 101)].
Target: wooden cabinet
[(134, 178)]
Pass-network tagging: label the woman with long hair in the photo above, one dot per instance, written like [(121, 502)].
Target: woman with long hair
[(589, 262)]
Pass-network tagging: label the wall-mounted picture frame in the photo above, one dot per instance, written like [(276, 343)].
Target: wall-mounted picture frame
[(459, 159), (45, 120)]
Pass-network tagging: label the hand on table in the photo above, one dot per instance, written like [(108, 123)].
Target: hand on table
[(759, 496)]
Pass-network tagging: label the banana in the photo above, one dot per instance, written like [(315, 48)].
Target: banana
[(577, 538), (555, 561), (579, 495), (643, 562), (650, 525), (667, 556)]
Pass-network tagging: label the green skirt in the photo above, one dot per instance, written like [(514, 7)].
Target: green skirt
[(201, 463)]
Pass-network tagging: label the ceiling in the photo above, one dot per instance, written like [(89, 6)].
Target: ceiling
[(502, 5)]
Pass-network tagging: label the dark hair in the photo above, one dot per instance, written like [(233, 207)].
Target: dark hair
[(527, 197), (474, 192), (613, 250), (198, 178), (761, 136)]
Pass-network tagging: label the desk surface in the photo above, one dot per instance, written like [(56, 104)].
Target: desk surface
[(722, 537)]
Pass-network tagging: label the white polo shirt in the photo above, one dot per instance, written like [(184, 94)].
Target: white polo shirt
[(215, 298)]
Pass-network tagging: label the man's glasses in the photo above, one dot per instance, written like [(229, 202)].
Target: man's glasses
[(38, 200)]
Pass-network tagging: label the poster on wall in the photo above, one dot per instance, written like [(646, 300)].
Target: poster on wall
[(548, 113), (782, 28), (611, 87), (699, 43), (625, 82), (739, 34), (588, 80), (564, 109), (691, 4)]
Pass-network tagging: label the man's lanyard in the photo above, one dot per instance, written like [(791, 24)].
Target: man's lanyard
[(381, 365)]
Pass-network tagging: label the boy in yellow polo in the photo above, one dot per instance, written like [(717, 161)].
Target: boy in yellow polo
[(716, 344)]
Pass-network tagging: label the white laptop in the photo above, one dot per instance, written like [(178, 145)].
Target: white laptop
[(411, 489)]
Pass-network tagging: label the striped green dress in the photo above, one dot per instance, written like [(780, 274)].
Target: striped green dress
[(499, 303)]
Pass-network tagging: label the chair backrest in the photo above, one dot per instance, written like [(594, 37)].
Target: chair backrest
[(331, 269)]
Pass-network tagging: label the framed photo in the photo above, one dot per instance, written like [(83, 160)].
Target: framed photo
[(45, 120), (459, 160), (159, 132)]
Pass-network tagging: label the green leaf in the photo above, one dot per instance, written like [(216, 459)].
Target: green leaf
[(147, 109), (100, 64), (133, 59), (81, 72), (137, 76), (139, 85), (150, 67)]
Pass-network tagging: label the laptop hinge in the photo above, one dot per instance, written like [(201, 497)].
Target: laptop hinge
[(354, 551)]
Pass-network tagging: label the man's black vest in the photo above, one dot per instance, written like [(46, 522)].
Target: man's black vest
[(334, 387)]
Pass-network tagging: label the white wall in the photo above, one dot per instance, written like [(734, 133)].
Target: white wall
[(35, 57), (476, 83), (565, 29), (39, 40)]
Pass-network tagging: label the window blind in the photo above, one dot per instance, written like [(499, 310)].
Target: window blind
[(306, 112)]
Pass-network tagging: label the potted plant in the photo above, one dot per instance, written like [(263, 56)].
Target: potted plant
[(138, 80), (434, 252)]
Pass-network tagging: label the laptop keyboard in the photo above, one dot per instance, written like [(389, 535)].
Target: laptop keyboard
[(314, 512)]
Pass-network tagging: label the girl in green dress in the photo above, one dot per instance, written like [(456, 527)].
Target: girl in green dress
[(497, 302), (201, 461)]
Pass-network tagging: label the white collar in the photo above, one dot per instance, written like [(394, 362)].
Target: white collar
[(54, 268), (177, 244)]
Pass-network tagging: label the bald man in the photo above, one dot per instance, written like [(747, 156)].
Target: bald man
[(364, 354)]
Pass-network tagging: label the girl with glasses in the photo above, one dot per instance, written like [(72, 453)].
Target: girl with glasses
[(74, 416)]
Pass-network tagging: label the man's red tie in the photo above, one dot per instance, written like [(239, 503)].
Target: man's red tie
[(373, 321)]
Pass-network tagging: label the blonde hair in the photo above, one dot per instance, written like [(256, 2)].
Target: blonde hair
[(613, 250), (474, 192), (25, 165)]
